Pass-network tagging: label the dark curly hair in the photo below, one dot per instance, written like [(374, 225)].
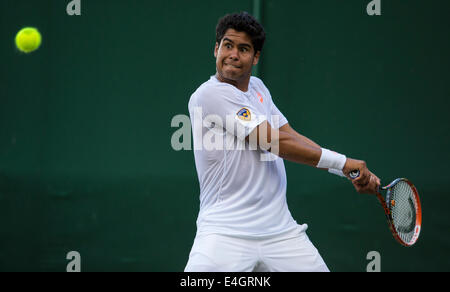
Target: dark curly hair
[(242, 22)]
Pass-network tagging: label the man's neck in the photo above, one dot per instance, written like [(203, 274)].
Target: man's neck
[(241, 85)]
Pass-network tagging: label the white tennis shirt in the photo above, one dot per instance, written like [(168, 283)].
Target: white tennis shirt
[(241, 193)]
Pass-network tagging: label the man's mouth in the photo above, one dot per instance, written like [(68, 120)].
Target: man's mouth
[(234, 66)]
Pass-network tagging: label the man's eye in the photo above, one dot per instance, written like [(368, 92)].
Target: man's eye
[(228, 46), (244, 49)]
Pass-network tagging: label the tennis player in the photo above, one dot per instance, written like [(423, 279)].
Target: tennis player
[(244, 223)]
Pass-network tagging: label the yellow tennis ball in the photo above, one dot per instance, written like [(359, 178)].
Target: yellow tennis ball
[(28, 39)]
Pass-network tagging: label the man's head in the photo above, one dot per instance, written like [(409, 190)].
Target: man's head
[(242, 22), (239, 41)]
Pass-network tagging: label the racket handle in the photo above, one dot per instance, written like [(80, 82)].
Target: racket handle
[(354, 174)]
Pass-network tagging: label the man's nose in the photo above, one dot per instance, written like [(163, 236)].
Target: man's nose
[(234, 54)]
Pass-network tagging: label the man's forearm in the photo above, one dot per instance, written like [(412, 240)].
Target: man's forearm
[(288, 144), (295, 149), (287, 128)]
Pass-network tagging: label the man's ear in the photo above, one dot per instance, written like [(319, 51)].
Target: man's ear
[(256, 58), (216, 50)]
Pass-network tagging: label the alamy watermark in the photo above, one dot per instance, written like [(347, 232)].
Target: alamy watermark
[(75, 262), (374, 8), (375, 261), (74, 8), (212, 133)]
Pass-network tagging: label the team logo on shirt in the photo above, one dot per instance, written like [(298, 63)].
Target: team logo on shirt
[(244, 114)]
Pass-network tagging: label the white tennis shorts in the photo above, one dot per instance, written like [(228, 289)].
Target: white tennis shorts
[(289, 252)]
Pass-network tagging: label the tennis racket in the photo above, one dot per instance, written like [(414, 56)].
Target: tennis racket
[(402, 208)]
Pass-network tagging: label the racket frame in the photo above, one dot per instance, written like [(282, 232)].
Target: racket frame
[(388, 213), (387, 208)]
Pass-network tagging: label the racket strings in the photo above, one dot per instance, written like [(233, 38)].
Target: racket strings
[(403, 210)]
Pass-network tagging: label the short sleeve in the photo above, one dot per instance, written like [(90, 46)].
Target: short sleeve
[(278, 119), (277, 113), (223, 106)]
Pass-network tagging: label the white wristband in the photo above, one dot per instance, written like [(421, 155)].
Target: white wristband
[(330, 159), (336, 172)]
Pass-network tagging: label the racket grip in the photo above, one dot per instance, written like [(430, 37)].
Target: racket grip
[(354, 174)]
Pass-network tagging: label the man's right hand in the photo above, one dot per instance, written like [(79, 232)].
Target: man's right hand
[(367, 182), (371, 187), (364, 173)]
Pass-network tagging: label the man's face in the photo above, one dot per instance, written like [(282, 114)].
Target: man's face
[(235, 56)]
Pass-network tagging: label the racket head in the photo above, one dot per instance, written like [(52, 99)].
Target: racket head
[(405, 211)]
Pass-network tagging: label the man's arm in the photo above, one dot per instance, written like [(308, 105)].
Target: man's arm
[(295, 147), (288, 129)]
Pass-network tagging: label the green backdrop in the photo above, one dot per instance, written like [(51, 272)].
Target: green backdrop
[(86, 162)]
